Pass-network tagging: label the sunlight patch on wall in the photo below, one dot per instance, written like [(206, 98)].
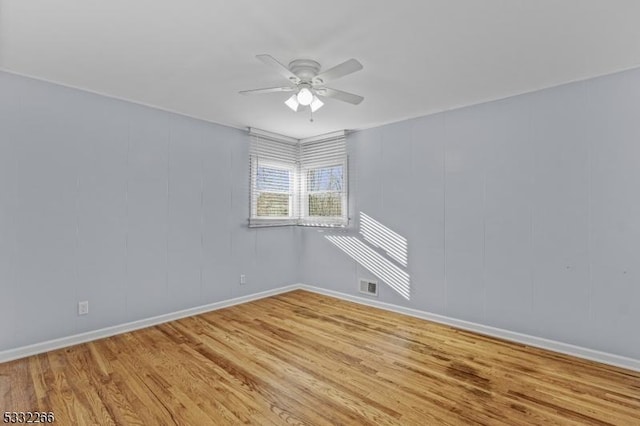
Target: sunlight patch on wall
[(378, 235), (373, 261)]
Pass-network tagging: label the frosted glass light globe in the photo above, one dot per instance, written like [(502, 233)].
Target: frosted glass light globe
[(305, 97)]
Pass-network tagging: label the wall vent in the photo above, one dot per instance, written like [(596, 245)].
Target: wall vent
[(369, 287)]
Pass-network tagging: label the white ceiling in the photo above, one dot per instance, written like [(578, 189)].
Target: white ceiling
[(419, 56)]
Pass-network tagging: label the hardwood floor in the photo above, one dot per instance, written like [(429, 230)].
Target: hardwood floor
[(303, 358)]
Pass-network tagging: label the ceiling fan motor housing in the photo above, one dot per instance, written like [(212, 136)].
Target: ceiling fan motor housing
[(304, 69)]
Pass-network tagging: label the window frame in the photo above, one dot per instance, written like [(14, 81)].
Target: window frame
[(298, 157), (256, 163), (329, 221)]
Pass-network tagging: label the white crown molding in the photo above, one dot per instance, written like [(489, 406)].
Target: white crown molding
[(272, 136), (324, 137)]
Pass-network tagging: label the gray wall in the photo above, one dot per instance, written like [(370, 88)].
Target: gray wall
[(522, 214), (139, 211)]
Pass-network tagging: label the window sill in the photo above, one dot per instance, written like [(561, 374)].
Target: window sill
[(271, 223)]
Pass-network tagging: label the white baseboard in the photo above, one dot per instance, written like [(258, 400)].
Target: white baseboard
[(552, 345), (50, 345)]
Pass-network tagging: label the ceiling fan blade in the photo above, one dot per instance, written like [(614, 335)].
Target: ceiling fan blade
[(340, 95), (272, 62), (268, 90), (345, 68)]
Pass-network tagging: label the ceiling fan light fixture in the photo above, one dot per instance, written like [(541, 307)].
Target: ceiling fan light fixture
[(307, 83), (292, 103), (316, 104), (305, 96)]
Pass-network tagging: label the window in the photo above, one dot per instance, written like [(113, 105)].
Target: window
[(323, 163), (298, 182), (324, 191), (274, 191), (274, 181)]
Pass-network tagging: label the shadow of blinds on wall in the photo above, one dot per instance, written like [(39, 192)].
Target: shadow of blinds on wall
[(298, 182)]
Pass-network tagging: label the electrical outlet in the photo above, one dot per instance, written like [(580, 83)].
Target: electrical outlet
[(243, 279), (83, 307)]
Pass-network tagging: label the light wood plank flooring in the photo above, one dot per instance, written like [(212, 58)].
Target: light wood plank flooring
[(303, 358)]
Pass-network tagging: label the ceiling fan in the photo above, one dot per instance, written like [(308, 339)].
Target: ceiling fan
[(308, 84)]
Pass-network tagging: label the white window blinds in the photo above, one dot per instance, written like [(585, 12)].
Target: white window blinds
[(298, 182), (273, 166), (323, 174)]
